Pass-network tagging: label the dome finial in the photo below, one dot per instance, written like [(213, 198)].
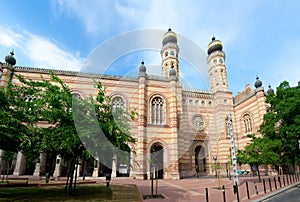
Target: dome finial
[(258, 82), (214, 45), (9, 59), (270, 90), (169, 37), (142, 68)]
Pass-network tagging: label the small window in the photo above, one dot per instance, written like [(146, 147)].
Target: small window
[(117, 103)]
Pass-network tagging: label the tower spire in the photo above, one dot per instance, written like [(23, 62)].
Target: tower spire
[(169, 54)]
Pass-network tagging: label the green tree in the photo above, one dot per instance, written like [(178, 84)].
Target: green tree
[(105, 131), (282, 122), (50, 102), (36, 103), (10, 127), (260, 151)]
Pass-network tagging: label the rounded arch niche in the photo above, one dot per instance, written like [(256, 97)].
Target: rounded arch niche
[(157, 159)]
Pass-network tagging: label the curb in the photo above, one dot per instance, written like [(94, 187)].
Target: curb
[(276, 192)]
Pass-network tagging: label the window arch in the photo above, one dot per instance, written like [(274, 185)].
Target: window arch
[(118, 103), (247, 123), (76, 95), (157, 111)]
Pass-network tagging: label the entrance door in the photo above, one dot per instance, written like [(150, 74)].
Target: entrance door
[(200, 162), (157, 159)]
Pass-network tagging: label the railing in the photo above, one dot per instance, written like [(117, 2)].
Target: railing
[(251, 189)]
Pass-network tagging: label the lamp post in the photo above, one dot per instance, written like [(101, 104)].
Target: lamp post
[(215, 158)]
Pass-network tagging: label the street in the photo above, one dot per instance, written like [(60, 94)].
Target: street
[(290, 195)]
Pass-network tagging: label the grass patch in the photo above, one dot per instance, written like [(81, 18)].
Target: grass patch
[(82, 193)]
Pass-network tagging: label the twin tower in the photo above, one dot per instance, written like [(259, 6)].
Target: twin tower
[(215, 60)]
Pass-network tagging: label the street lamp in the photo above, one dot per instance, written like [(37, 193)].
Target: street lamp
[(215, 158)]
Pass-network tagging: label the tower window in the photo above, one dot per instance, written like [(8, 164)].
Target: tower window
[(172, 53), (157, 111), (166, 54)]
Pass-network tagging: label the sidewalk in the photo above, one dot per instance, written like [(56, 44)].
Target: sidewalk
[(195, 189)]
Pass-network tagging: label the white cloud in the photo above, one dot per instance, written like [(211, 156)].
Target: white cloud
[(101, 17), (38, 51), (8, 38), (44, 53)]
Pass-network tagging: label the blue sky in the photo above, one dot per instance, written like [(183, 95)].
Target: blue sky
[(259, 37)]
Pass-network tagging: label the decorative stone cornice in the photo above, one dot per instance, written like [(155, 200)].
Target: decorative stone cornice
[(197, 93)]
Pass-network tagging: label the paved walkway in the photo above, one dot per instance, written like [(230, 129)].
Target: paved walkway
[(195, 189)]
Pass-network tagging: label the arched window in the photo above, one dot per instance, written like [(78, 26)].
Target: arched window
[(157, 111), (117, 103), (247, 123), (76, 95)]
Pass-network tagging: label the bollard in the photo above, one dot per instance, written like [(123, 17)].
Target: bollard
[(264, 183), (206, 194), (256, 190), (270, 185), (236, 191), (224, 196), (275, 183), (279, 181), (247, 188)]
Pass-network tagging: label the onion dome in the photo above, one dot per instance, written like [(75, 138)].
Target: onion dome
[(214, 45), (169, 37), (270, 90), (142, 67), (172, 72), (257, 83), (9, 59)]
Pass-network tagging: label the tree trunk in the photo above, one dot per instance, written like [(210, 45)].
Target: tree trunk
[(67, 181), (258, 173), (71, 176)]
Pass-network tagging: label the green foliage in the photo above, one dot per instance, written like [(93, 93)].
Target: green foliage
[(11, 128), (105, 131), (282, 122), (260, 151), (27, 106)]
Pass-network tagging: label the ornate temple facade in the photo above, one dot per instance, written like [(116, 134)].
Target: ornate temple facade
[(178, 131)]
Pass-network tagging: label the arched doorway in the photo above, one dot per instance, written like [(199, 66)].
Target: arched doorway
[(157, 159), (200, 162)]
